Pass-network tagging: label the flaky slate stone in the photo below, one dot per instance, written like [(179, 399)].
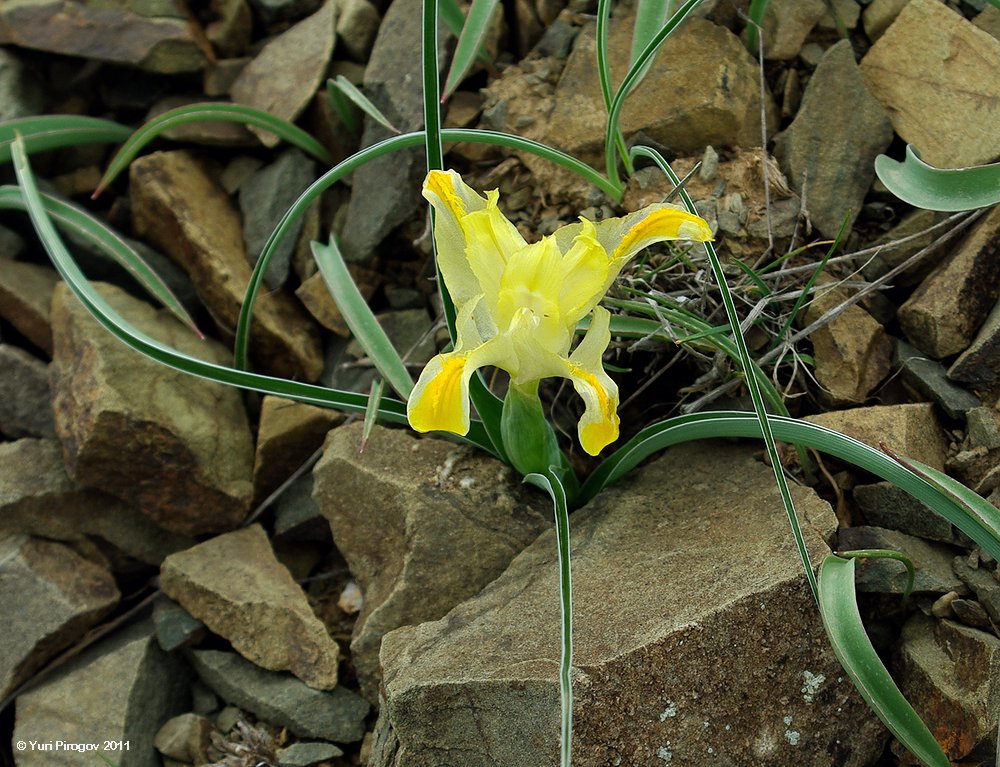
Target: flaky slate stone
[(180, 208), (950, 674), (887, 505), (50, 596), (681, 574), (281, 699), (25, 399), (930, 380), (979, 364), (117, 32), (38, 498), (941, 316), (236, 586), (124, 688), (935, 74), (26, 300), (143, 432), (406, 515), (830, 147)]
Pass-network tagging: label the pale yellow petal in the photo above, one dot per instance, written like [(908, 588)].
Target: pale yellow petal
[(584, 275), (490, 239), (598, 427), (626, 236)]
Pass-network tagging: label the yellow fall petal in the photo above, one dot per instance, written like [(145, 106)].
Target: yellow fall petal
[(440, 399), (650, 225), (598, 427)]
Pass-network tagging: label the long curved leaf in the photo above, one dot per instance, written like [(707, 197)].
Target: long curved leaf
[(80, 221), (838, 605), (209, 112), (947, 189), (56, 131), (346, 88), (974, 516)]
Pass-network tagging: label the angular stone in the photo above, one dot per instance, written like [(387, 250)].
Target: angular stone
[(985, 586), (950, 674), (910, 431), (971, 613), (281, 699), (935, 74), (231, 28), (297, 516), (315, 296), (405, 513), (236, 586), (660, 663), (979, 364), (25, 399), (829, 149), (288, 434), (306, 754), (724, 109), (124, 688), (26, 300), (143, 432), (988, 20), (175, 626), (185, 738), (932, 562), (283, 78), (50, 596), (117, 32), (357, 25), (786, 25), (942, 316), (38, 498), (930, 380), (852, 351), (264, 199), (180, 208), (887, 505), (879, 15)]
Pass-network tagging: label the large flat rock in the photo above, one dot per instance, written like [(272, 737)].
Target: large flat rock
[(696, 639)]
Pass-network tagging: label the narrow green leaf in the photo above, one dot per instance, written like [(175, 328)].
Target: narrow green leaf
[(452, 16), (348, 88), (57, 131), (756, 13), (650, 15), (899, 556), (549, 482), (76, 219), (948, 189), (762, 287), (371, 412), (342, 106), (359, 317), (209, 112), (838, 605), (470, 42)]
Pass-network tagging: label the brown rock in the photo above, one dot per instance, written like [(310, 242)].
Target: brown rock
[(405, 514), (235, 585), (935, 74), (283, 78), (25, 397), (117, 32), (26, 300), (38, 498), (661, 671), (178, 207), (942, 315), (315, 296), (853, 353), (186, 738), (879, 15), (988, 20), (143, 432), (50, 596), (288, 434), (910, 431), (950, 674), (231, 28), (787, 24)]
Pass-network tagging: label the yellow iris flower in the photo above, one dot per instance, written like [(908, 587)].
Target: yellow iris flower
[(518, 304)]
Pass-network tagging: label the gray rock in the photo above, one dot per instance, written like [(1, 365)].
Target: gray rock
[(887, 505), (357, 25), (829, 148), (38, 498), (230, 30), (175, 626), (25, 399), (297, 516), (979, 364), (950, 674), (913, 72), (305, 754), (405, 513), (787, 24), (236, 585), (942, 316), (270, 11), (21, 95), (971, 613), (386, 191), (281, 699), (982, 428), (660, 662), (264, 199), (50, 596), (283, 78), (121, 689), (26, 300), (932, 562), (168, 424), (985, 586), (930, 380), (161, 41)]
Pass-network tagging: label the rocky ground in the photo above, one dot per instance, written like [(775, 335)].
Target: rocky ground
[(201, 576)]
